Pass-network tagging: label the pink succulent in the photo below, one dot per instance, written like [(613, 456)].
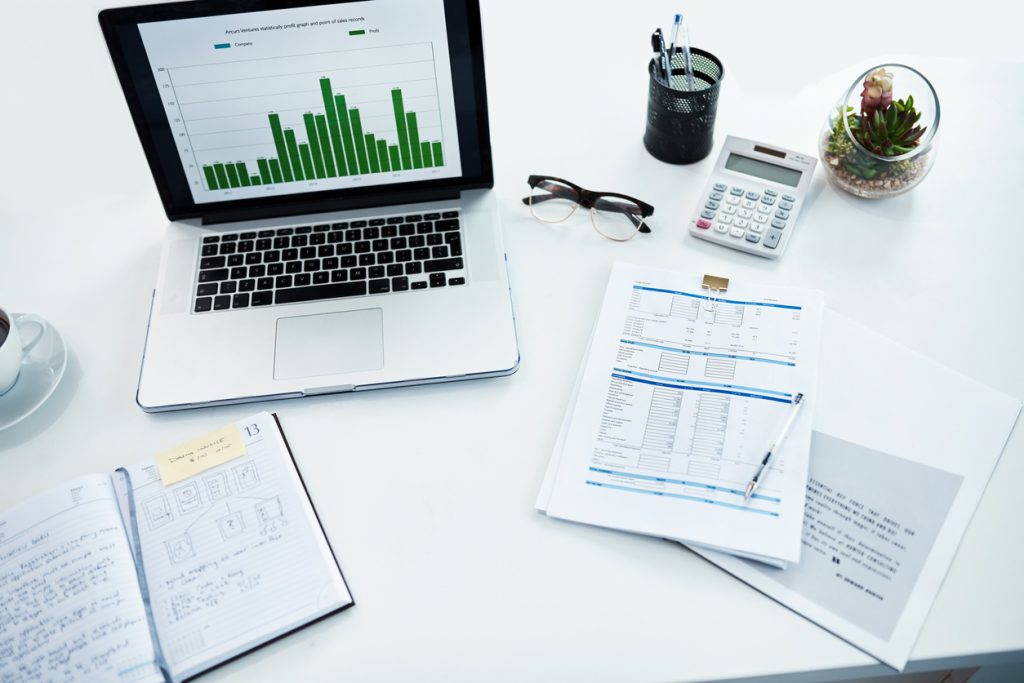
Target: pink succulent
[(877, 93)]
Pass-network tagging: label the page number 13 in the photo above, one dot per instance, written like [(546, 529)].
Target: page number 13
[(252, 430)]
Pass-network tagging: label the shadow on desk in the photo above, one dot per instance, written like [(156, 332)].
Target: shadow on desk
[(48, 413)]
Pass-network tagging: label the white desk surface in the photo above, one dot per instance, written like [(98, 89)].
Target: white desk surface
[(427, 493)]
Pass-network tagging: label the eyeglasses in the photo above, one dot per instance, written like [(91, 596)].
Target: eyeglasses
[(615, 216)]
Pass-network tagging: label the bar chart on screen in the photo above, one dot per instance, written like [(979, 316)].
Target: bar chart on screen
[(304, 107)]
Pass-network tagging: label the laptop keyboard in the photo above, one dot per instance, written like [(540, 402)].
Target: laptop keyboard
[(329, 261)]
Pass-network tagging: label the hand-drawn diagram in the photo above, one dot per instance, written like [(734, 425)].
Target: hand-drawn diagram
[(188, 497), (179, 548), (217, 485), (268, 510), (230, 525), (246, 476), (158, 511)]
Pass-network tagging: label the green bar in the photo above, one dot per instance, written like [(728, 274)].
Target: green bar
[(346, 136), (428, 159), (294, 160), (211, 177), (357, 135), (314, 145), (232, 175), (243, 173), (325, 145), (307, 161), (371, 153), (275, 171), (438, 155), (282, 150), (403, 136), (332, 125), (255, 180), (396, 158), (414, 141), (382, 154), (264, 171), (357, 32), (222, 176)]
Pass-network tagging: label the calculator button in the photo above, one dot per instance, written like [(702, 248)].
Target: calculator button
[(767, 200), (771, 240), (710, 204), (789, 198), (757, 227), (717, 196), (732, 200), (771, 193), (736, 191), (761, 208), (753, 237), (736, 232), (719, 187), (726, 219), (741, 223), (729, 209), (747, 204), (777, 223), (721, 227), (746, 213), (761, 218), (707, 214), (782, 213), (753, 195), (703, 224), (786, 204)]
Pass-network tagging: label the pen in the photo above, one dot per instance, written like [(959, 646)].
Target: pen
[(766, 461), (678, 19), (658, 44), (687, 57)]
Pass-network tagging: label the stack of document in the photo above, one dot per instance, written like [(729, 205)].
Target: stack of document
[(679, 396)]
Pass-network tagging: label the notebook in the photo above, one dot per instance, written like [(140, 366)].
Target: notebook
[(118, 577), (326, 168)]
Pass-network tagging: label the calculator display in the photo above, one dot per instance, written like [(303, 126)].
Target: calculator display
[(762, 169)]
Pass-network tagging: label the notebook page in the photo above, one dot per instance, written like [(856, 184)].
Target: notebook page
[(233, 556), (70, 607)]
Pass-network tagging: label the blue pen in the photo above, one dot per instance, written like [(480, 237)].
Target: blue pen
[(676, 21)]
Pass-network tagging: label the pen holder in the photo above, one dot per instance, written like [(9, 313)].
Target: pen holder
[(681, 122)]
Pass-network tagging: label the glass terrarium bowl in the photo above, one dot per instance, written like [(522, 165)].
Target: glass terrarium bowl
[(850, 166)]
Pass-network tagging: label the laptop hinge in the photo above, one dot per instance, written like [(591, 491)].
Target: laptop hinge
[(365, 201)]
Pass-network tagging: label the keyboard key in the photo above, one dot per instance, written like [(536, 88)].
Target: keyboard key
[(786, 205), (374, 272), (300, 241), (447, 225), (282, 242), (247, 285), (450, 214), (227, 248), (246, 246), (322, 277), (275, 269), (719, 187), (455, 245), (419, 285), (302, 279), (229, 287), (285, 231), (716, 196), (438, 280), (311, 266), (399, 284), (367, 259), (262, 298), (357, 273), (307, 253), (221, 303), (358, 224), (325, 251), (413, 268), (211, 238), (240, 301), (736, 232), (380, 286), (442, 264), (376, 221), (304, 230), (771, 240), (395, 269), (338, 226), (395, 220), (371, 234), (235, 260), (247, 236), (361, 247), (407, 229), (778, 223), (212, 262), (753, 195), (323, 227), (421, 254), (210, 250), (380, 245), (707, 213), (353, 235), (317, 239), (335, 237), (424, 228), (398, 243), (293, 267), (439, 252), (331, 291), (339, 275), (289, 254), (788, 198), (435, 239), (771, 193), (386, 257), (233, 237), (329, 263), (431, 216), (403, 255), (736, 191), (206, 290), (343, 249), (711, 204), (283, 281), (781, 213), (264, 244), (753, 237), (213, 275), (239, 273), (265, 283), (703, 223), (457, 281), (253, 258), (265, 233), (348, 261), (203, 304), (417, 241), (767, 199), (414, 218)]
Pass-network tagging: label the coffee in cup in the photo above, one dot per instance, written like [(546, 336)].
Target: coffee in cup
[(16, 344)]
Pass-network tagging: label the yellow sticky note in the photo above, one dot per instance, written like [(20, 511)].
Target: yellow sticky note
[(199, 455)]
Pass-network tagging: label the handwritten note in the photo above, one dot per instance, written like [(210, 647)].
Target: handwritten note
[(199, 455)]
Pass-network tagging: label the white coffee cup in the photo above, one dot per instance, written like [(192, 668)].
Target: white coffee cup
[(14, 347)]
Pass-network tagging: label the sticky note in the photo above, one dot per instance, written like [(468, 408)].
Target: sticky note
[(199, 455)]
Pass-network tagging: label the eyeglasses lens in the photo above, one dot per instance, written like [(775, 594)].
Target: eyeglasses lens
[(552, 201), (617, 219)]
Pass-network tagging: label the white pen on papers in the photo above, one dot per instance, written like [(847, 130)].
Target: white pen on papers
[(766, 461)]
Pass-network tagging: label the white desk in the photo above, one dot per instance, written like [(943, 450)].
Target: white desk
[(427, 493)]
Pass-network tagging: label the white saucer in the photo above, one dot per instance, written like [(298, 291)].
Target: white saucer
[(41, 372)]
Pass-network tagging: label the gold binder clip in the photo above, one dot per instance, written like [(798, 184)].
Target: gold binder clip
[(714, 286)]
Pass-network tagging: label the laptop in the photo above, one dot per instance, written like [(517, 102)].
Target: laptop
[(326, 168)]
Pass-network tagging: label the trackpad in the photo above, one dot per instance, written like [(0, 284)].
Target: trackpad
[(329, 344)]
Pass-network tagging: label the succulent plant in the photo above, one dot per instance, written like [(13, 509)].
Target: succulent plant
[(877, 92), (889, 132)]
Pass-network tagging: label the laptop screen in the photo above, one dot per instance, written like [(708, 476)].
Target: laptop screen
[(287, 103)]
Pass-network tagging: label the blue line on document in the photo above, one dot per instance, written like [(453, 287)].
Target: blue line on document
[(721, 301), (682, 497), (706, 384), (706, 353), (683, 482), (709, 390)]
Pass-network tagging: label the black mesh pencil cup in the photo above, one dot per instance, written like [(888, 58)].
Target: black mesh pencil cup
[(681, 122)]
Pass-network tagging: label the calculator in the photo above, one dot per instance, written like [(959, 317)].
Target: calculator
[(753, 197)]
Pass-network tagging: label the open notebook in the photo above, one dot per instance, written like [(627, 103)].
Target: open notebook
[(121, 578)]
